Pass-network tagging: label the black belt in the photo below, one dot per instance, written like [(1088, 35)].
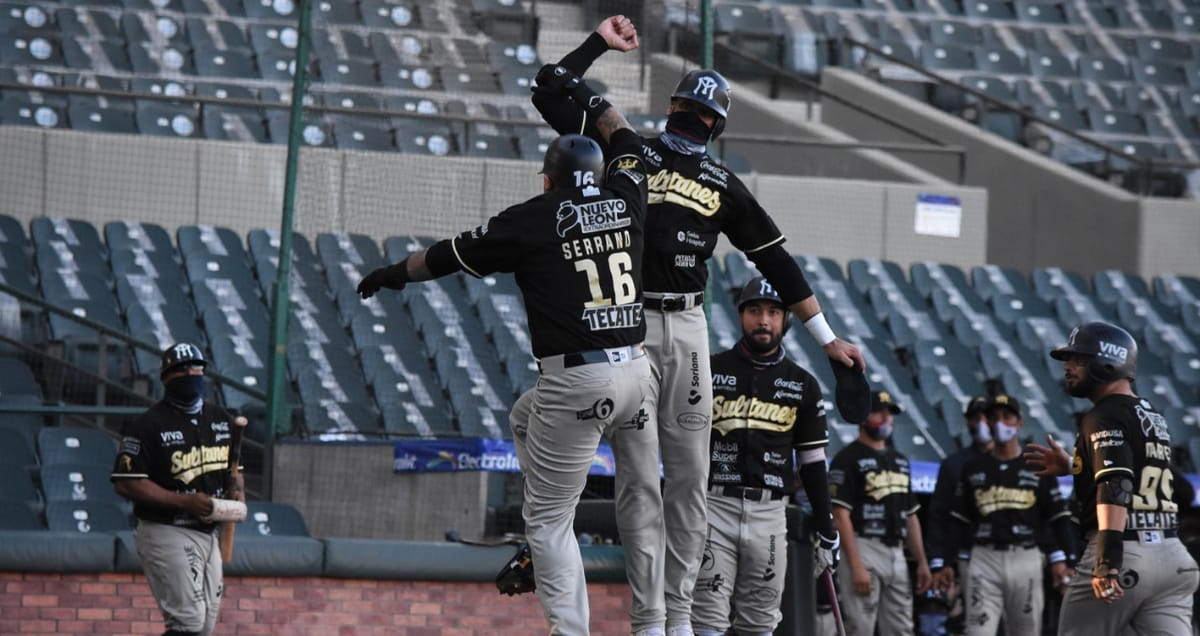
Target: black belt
[(1007, 545), (678, 302), (595, 356), (752, 494)]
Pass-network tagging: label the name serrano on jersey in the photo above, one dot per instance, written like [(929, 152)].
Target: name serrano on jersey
[(878, 485), (667, 186), (752, 413), (989, 500), (592, 245), (597, 216), (186, 466)]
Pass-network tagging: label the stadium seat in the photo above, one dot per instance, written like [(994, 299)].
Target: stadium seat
[(63, 445), (79, 482), (15, 515), (17, 483), (1174, 289), (86, 516)]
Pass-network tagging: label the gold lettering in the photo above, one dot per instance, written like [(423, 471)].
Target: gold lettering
[(751, 413), (186, 466), (996, 498), (882, 483), (671, 187)]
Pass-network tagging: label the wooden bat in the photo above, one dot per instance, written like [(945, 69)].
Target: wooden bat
[(231, 484), (827, 577)]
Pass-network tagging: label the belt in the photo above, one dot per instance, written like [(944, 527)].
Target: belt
[(616, 356), (672, 302), (1150, 535), (1006, 546), (749, 494)]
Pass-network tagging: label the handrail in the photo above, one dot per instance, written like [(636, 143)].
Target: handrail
[(1023, 111), (117, 335)]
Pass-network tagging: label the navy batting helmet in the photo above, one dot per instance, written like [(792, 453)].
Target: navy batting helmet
[(709, 89), (1113, 351), (574, 161), (180, 354)]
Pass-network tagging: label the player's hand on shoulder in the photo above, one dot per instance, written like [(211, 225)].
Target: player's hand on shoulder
[(619, 33), (848, 354)]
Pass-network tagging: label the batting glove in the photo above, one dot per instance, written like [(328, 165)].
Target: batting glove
[(828, 551), (553, 79), (391, 277)]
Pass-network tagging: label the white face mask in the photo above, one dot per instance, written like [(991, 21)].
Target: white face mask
[(1004, 432), (983, 433)]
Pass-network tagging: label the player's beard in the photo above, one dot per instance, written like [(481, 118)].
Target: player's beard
[(762, 346), (1080, 388)]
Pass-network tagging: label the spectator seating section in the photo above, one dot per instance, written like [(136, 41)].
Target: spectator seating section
[(448, 357)]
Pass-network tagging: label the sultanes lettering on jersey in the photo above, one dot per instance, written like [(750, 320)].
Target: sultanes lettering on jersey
[(996, 498), (185, 467), (878, 485), (668, 186), (752, 413)]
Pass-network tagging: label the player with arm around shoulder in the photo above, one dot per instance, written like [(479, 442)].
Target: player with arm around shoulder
[(172, 464), (766, 411), (1134, 572)]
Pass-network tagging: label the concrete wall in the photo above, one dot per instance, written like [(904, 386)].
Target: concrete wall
[(1041, 212)]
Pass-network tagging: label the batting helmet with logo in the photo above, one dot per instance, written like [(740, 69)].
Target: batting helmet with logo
[(709, 89), (1113, 351), (574, 161), (758, 288), (180, 354)]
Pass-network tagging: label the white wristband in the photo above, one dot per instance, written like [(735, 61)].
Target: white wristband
[(1058, 555), (819, 329)]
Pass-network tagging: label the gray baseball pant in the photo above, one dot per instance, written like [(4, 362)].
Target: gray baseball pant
[(1158, 578), (1005, 583), (183, 567), (745, 562), (891, 598), (677, 344), (556, 430)]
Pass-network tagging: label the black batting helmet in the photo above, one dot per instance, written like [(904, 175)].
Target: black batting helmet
[(1113, 351), (574, 161), (709, 89), (179, 354), (758, 288)]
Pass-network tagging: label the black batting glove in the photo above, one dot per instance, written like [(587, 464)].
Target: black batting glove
[(553, 79), (391, 277)]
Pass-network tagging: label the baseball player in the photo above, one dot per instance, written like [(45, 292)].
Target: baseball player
[(693, 200), (1141, 576), (874, 510), (1001, 508), (949, 473), (170, 465), (767, 414), (576, 251)]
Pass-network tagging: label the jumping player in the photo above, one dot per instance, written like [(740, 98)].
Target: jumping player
[(576, 251), (693, 200)]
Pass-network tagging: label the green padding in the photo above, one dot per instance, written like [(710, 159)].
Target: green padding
[(438, 561), (276, 556), (252, 556), (55, 551)]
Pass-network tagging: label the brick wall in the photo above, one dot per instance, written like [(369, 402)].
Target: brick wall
[(36, 604)]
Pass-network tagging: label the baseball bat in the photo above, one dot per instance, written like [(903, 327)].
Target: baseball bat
[(228, 528), (827, 576)]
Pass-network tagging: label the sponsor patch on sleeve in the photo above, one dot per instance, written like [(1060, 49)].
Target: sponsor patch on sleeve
[(130, 446)]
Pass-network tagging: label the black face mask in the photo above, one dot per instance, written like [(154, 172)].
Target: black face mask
[(688, 125), (185, 389)]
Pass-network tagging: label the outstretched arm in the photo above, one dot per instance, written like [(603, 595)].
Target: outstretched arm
[(558, 110)]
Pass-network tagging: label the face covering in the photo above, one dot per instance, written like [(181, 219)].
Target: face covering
[(184, 391), (1004, 432), (983, 433), (879, 433), (688, 125)]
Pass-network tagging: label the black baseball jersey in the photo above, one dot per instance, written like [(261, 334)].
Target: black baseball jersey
[(876, 487), (760, 414), (576, 254), (1005, 502), (692, 201), (1123, 436), (182, 453)]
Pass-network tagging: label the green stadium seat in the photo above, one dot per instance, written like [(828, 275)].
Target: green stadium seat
[(15, 515), (67, 445), (86, 516)]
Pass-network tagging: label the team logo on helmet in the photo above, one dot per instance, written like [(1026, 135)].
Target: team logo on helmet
[(705, 86)]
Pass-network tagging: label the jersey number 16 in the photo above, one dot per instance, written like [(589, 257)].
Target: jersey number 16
[(619, 266)]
